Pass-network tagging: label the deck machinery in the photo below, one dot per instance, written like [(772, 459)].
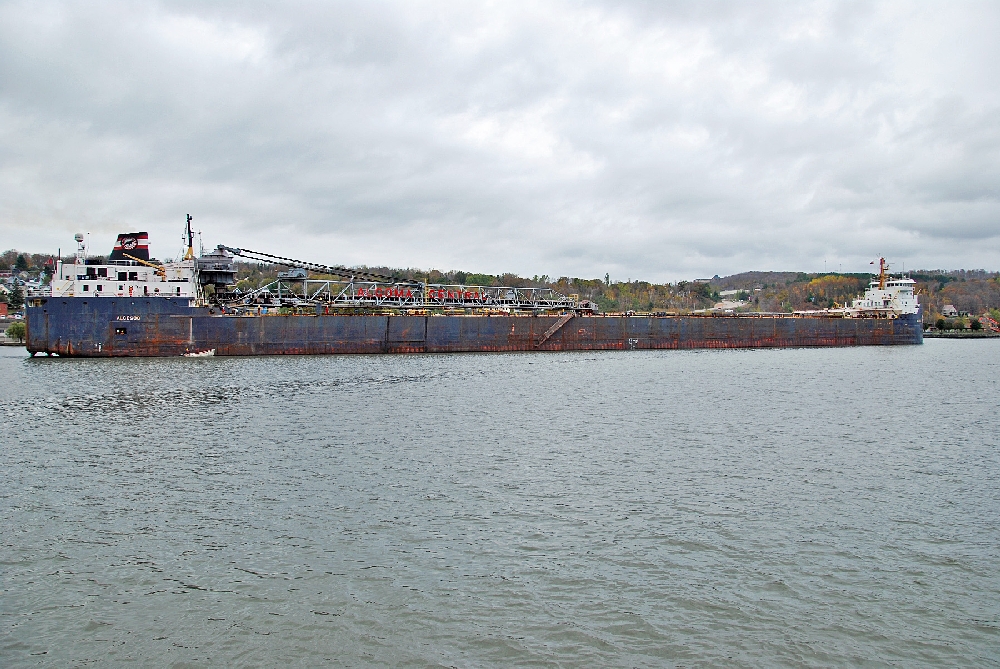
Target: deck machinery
[(361, 289)]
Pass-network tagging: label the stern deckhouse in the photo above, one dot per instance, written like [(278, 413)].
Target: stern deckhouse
[(127, 272)]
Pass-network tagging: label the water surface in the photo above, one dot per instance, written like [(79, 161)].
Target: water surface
[(749, 508)]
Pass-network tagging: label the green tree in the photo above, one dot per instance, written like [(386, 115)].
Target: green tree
[(939, 324), (17, 331), (21, 263), (479, 280), (16, 297), (976, 325)]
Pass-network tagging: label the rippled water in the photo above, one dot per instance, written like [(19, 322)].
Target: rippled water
[(773, 507)]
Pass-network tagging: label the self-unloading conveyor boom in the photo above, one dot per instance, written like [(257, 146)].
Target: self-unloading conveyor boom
[(361, 288)]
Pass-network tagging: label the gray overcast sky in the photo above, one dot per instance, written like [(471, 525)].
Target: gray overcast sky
[(656, 140)]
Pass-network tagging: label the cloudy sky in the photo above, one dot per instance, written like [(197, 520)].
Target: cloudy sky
[(657, 140)]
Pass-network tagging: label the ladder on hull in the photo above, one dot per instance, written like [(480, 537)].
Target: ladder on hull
[(563, 320)]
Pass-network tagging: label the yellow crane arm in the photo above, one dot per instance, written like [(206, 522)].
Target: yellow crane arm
[(159, 268)]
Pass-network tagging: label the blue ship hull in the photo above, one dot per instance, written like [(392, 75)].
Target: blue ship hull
[(163, 326)]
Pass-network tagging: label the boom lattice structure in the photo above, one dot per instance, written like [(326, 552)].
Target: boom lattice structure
[(363, 289)]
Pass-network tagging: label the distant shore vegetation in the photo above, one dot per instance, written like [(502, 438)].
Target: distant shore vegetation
[(969, 292)]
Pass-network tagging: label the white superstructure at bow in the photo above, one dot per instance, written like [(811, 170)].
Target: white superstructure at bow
[(888, 294)]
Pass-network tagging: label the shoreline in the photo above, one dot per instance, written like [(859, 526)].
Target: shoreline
[(961, 335)]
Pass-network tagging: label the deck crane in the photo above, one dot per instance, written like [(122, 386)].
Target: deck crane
[(159, 268)]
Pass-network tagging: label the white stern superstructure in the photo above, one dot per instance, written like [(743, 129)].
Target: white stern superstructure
[(124, 278), (127, 272)]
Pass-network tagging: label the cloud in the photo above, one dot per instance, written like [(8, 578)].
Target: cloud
[(654, 140)]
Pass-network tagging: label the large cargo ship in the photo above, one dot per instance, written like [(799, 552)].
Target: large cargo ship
[(130, 305)]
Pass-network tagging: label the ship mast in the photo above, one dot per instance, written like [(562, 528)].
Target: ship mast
[(190, 240), (882, 267)]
